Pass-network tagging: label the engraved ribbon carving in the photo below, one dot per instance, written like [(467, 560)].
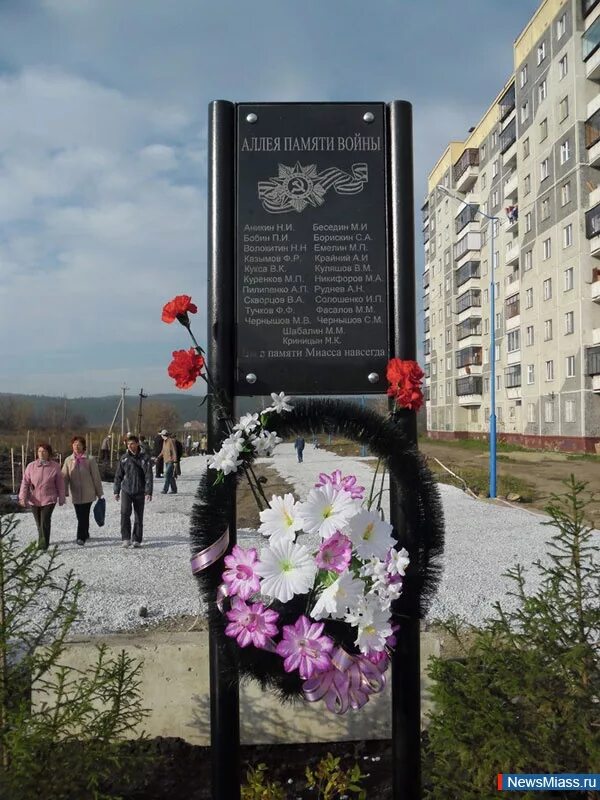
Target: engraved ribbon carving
[(299, 186)]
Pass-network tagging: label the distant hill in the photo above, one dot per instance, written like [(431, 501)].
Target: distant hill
[(99, 411)]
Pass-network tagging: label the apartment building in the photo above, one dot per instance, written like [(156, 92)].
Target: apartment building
[(511, 229)]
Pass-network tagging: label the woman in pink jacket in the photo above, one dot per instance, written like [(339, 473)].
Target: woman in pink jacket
[(42, 486)]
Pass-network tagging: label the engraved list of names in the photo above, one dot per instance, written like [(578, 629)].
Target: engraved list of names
[(312, 285)]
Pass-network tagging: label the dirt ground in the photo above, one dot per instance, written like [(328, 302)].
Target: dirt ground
[(545, 471)]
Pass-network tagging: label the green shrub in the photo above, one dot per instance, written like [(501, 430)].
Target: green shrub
[(525, 695), (66, 743)]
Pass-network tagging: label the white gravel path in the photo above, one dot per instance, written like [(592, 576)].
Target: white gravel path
[(482, 541)]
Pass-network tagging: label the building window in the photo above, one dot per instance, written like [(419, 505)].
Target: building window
[(548, 411), (544, 169), (525, 112), (528, 219), (483, 181), (497, 291), (547, 289), (523, 75), (495, 198), (529, 298), (526, 147), (569, 322), (543, 130), (498, 383), (569, 410), (545, 208), (527, 260), (547, 248), (441, 391), (542, 91), (483, 152), (448, 336), (564, 152), (549, 370), (513, 341), (568, 279), (565, 193), (547, 330), (497, 352), (486, 326), (561, 27), (527, 184), (568, 235), (486, 355), (563, 109), (541, 52), (448, 362), (434, 367), (563, 67), (529, 335), (530, 374), (494, 168), (570, 364), (530, 412)]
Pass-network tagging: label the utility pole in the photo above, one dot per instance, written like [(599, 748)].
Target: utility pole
[(123, 390), (142, 397)]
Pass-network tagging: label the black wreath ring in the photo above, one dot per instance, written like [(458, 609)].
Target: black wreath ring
[(418, 506)]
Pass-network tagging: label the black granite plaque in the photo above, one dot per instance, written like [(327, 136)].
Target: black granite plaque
[(311, 273)]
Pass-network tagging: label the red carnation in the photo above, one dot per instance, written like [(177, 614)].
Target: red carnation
[(178, 308), (405, 379), (185, 367)]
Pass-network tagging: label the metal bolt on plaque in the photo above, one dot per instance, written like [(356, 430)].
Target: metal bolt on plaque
[(373, 377), (250, 378), (369, 117), (251, 118)]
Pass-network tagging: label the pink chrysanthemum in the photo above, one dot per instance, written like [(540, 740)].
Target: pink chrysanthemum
[(240, 575), (251, 624), (345, 484), (335, 553), (304, 648)]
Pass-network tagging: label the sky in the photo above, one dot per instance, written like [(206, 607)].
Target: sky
[(103, 150)]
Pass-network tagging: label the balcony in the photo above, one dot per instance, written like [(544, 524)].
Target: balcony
[(590, 43), (468, 332), (592, 139), (427, 347), (425, 210), (469, 299), (587, 6), (508, 137), (426, 279), (467, 215), (512, 376), (426, 235), (469, 390), (466, 170), (507, 103), (592, 366), (468, 361), (511, 187), (469, 270), (592, 230), (467, 246), (511, 255), (596, 291), (512, 283)]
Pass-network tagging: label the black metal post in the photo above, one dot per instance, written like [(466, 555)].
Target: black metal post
[(406, 689), (224, 695)]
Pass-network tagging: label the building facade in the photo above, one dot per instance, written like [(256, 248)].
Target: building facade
[(511, 229)]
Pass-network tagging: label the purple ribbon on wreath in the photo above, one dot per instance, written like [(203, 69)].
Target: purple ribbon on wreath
[(348, 683)]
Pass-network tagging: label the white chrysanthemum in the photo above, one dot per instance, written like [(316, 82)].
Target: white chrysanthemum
[(225, 460), (264, 443), (247, 423), (280, 403), (373, 623), (398, 562), (343, 596), (326, 510), (371, 536), (280, 520), (286, 569)]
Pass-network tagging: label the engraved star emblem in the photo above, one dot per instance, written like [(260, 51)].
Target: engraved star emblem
[(299, 186)]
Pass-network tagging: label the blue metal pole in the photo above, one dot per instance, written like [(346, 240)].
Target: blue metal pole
[(492, 434)]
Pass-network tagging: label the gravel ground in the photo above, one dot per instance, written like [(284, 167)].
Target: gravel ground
[(482, 540)]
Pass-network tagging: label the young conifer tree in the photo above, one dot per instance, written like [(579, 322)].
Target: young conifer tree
[(525, 698), (59, 726)]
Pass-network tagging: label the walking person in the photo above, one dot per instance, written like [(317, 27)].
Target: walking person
[(133, 485), (169, 457), (158, 459), (105, 449), (41, 488), (83, 483), (299, 447)]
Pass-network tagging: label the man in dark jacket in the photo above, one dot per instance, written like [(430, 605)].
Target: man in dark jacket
[(133, 484), (158, 459)]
